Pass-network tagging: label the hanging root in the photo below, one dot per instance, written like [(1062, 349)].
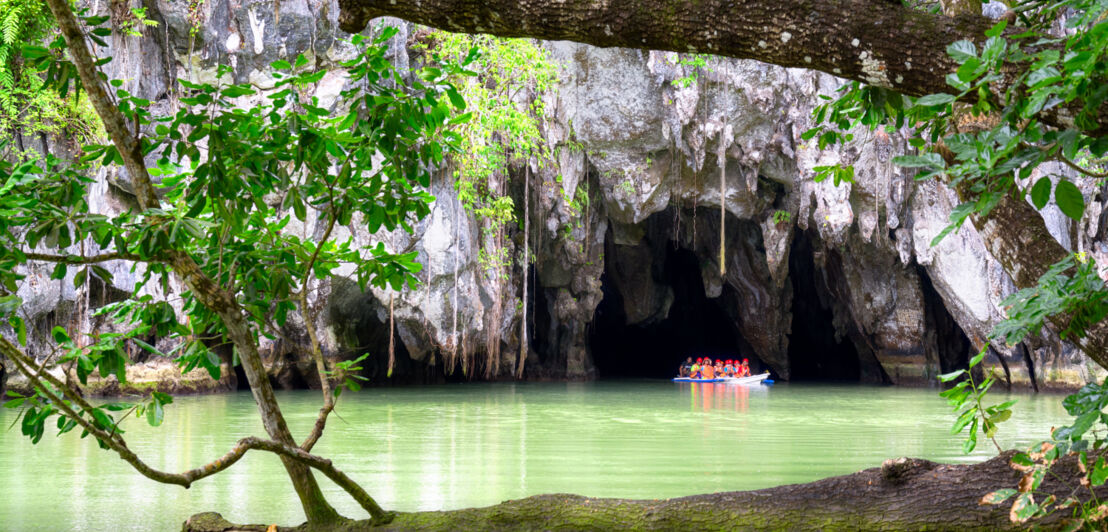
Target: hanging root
[(392, 338)]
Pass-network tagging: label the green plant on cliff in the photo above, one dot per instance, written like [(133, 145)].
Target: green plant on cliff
[(503, 139), (29, 106), (505, 97), (238, 187)]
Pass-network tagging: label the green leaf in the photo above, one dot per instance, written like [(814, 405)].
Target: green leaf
[(998, 496), (155, 413), (59, 271), (927, 160), (935, 99), (963, 420), (961, 50), (1003, 415), (1040, 193), (971, 443), (1024, 507), (947, 377), (977, 358), (20, 329), (148, 347), (456, 98), (1099, 473), (280, 64), (997, 29), (1069, 199), (59, 334)]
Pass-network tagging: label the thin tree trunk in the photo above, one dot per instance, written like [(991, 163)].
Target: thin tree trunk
[(316, 508)]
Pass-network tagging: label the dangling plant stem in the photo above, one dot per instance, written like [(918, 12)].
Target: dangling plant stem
[(454, 302), (722, 210), (526, 268), (392, 337)]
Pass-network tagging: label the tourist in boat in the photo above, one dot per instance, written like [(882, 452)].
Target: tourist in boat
[(729, 368), (708, 371), (719, 368), (686, 368), (694, 370), (744, 368)]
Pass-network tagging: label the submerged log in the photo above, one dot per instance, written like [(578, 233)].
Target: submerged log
[(902, 494)]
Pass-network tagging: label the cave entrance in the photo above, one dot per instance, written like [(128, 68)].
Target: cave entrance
[(951, 343), (695, 325), (815, 354)]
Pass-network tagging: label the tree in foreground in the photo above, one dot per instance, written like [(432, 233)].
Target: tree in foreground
[(210, 221)]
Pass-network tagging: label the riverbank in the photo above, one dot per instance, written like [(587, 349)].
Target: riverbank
[(902, 494)]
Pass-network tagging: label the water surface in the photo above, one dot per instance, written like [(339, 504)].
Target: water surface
[(455, 446)]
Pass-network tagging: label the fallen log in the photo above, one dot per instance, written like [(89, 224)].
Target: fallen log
[(902, 494)]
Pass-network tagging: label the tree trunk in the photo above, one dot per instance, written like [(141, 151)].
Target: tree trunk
[(1016, 235), (211, 295), (903, 494), (882, 43)]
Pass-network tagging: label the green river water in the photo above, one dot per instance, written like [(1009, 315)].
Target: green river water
[(455, 446)]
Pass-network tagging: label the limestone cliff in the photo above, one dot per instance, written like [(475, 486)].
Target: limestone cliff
[(846, 279)]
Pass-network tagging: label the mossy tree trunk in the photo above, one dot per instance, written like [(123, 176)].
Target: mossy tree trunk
[(903, 494)]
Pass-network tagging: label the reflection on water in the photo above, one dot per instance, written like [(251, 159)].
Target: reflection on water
[(720, 396), (455, 446)]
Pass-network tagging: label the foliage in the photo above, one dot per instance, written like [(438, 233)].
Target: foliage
[(782, 217), (506, 102), (966, 397), (990, 144), (27, 103), (986, 138), (1085, 440), (233, 179), (21, 21), (1081, 297), (696, 61), (135, 20)]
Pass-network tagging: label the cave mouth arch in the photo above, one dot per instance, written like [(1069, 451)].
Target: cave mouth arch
[(694, 325)]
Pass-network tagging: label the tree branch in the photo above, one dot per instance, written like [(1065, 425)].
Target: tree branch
[(885, 44), (116, 443), (130, 148), (317, 353), (77, 260)]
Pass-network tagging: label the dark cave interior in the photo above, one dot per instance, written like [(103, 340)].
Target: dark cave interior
[(814, 352), (694, 327)]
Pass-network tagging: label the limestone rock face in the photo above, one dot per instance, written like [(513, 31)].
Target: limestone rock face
[(642, 164)]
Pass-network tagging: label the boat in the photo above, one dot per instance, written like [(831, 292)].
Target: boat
[(753, 379)]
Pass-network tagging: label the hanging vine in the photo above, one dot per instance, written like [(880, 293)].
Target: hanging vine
[(505, 101)]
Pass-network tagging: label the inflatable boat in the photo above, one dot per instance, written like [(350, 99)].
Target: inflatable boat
[(753, 379)]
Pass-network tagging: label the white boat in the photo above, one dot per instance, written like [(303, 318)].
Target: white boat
[(753, 379)]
